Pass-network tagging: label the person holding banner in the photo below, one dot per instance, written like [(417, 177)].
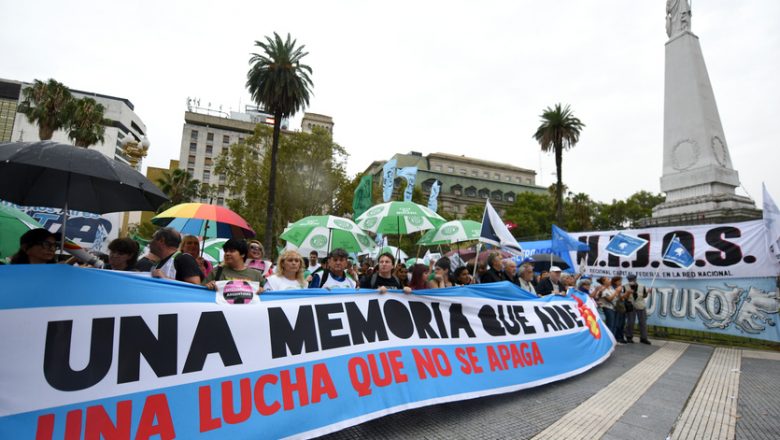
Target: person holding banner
[(441, 274), (289, 273), (463, 276), (402, 273), (526, 277), (420, 274), (637, 295), (495, 272), (234, 267), (551, 284), (36, 246), (122, 254), (335, 276), (605, 294), (173, 265), (383, 279), (190, 244), (510, 270)]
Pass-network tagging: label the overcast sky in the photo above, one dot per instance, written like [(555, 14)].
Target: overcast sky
[(458, 77)]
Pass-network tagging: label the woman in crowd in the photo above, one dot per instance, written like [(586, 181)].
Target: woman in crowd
[(621, 294), (584, 285), (463, 277), (190, 244), (441, 275), (605, 294), (420, 274), (234, 268), (402, 273), (382, 277), (526, 277), (36, 246), (289, 273), (122, 254), (255, 259)]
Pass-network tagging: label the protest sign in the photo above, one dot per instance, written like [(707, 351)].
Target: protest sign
[(92, 353)]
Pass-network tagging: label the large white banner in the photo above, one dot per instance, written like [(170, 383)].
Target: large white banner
[(736, 250)]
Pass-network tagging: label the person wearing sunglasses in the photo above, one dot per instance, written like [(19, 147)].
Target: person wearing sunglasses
[(36, 246)]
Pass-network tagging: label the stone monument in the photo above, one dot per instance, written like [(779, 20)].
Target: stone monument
[(698, 177)]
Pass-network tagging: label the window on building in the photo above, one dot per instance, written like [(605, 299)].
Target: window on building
[(210, 136), (225, 139), (471, 191), (206, 175), (530, 181), (220, 200), (518, 179), (451, 169), (193, 147), (463, 171), (194, 135), (221, 178), (437, 168), (456, 190), (475, 173), (486, 175), (207, 162), (191, 171), (509, 197), (221, 189), (191, 160), (484, 193), (240, 139), (497, 195), (497, 176), (508, 178), (209, 149)]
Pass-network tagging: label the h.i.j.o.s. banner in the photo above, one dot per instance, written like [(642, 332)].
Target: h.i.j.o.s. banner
[(732, 288), (91, 353)]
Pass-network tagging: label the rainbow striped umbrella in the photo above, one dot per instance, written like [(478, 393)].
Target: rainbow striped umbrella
[(204, 220)]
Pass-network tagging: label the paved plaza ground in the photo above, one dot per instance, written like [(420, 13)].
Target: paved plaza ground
[(669, 389)]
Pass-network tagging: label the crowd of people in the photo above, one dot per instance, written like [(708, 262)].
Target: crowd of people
[(174, 257)]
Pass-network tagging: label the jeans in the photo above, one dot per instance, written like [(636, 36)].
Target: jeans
[(631, 317), (609, 319), (620, 323)]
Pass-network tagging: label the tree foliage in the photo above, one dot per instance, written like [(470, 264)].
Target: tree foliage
[(279, 82), (87, 123), (312, 171), (179, 186), (559, 131), (47, 104)]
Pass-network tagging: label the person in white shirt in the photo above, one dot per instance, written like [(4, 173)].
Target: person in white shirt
[(289, 273), (314, 262)]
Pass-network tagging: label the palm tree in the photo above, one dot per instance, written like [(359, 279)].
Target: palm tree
[(87, 122), (47, 104), (559, 130), (279, 83), (179, 186)]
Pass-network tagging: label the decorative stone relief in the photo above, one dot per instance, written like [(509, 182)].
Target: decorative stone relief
[(720, 151), (685, 154)]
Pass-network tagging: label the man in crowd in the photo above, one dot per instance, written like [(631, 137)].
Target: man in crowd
[(495, 272), (173, 265), (314, 262), (551, 284), (510, 270), (637, 296), (234, 266), (335, 276)]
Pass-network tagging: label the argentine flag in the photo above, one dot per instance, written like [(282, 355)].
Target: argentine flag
[(676, 253), (624, 245)]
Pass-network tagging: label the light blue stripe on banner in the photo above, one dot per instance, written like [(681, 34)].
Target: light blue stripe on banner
[(561, 357), (28, 286)]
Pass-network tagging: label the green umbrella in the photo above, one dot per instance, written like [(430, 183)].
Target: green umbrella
[(398, 218), (455, 231), (212, 249), (13, 223), (322, 233)]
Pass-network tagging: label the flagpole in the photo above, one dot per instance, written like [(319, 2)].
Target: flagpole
[(476, 261), (652, 283)]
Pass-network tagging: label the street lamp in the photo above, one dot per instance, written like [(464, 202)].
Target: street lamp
[(135, 150)]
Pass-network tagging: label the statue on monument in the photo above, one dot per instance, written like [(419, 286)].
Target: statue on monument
[(678, 17)]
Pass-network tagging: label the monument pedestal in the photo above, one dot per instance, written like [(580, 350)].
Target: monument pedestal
[(698, 177)]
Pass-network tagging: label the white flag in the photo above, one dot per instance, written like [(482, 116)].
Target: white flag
[(772, 224)]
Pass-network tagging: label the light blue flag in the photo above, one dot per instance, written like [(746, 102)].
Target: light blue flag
[(562, 242), (388, 178), (624, 245), (410, 174), (678, 254), (433, 204)]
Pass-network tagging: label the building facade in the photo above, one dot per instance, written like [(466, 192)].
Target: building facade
[(205, 136), (465, 181), (120, 112)]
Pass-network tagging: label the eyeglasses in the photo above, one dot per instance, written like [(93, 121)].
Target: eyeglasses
[(48, 245), (255, 248)]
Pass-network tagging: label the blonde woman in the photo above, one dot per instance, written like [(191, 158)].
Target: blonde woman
[(190, 244), (254, 257), (288, 274)]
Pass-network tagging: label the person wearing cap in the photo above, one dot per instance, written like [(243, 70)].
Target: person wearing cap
[(335, 276), (636, 295), (551, 284)]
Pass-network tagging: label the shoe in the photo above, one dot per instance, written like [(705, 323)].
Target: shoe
[(621, 341), (630, 340), (645, 341)]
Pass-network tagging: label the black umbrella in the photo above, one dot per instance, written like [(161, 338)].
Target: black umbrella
[(543, 262), (64, 176)]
